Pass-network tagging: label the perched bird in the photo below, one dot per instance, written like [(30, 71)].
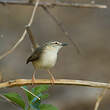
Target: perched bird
[(45, 56)]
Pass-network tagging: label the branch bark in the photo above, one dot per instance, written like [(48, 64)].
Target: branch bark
[(31, 37), (56, 4), (21, 82), (99, 99)]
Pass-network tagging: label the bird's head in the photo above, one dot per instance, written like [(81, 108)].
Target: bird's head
[(54, 45)]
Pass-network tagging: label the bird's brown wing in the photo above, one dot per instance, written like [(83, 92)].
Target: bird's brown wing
[(35, 55)]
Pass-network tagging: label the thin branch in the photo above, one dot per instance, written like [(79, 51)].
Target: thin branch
[(2, 96), (23, 35), (8, 100), (99, 99), (33, 13), (31, 37), (62, 27), (21, 82), (30, 92), (56, 4), (13, 47)]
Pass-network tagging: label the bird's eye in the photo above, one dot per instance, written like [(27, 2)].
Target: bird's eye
[(56, 42)]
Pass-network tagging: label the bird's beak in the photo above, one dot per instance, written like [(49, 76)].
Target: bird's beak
[(64, 44)]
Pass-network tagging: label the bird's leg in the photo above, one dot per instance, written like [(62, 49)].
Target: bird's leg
[(33, 77), (52, 77)]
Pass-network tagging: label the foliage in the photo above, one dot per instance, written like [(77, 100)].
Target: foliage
[(33, 102)]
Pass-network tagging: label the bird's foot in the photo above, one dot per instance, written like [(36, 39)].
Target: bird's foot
[(33, 80), (52, 81)]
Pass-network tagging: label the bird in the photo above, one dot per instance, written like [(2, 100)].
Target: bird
[(45, 57)]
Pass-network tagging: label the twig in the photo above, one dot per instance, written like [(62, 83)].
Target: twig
[(62, 27), (8, 100), (23, 35), (30, 92), (2, 96), (99, 99), (56, 4), (31, 37), (13, 47), (33, 13), (21, 82)]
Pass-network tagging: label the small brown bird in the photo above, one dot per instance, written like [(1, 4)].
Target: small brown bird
[(45, 56)]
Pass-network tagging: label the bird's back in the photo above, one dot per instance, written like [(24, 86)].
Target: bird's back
[(35, 55), (43, 58)]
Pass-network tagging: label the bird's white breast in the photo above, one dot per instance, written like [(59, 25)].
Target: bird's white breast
[(48, 59)]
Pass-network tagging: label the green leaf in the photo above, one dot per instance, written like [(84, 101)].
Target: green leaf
[(24, 87), (39, 89), (45, 96), (16, 98), (35, 104), (30, 96), (47, 107)]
